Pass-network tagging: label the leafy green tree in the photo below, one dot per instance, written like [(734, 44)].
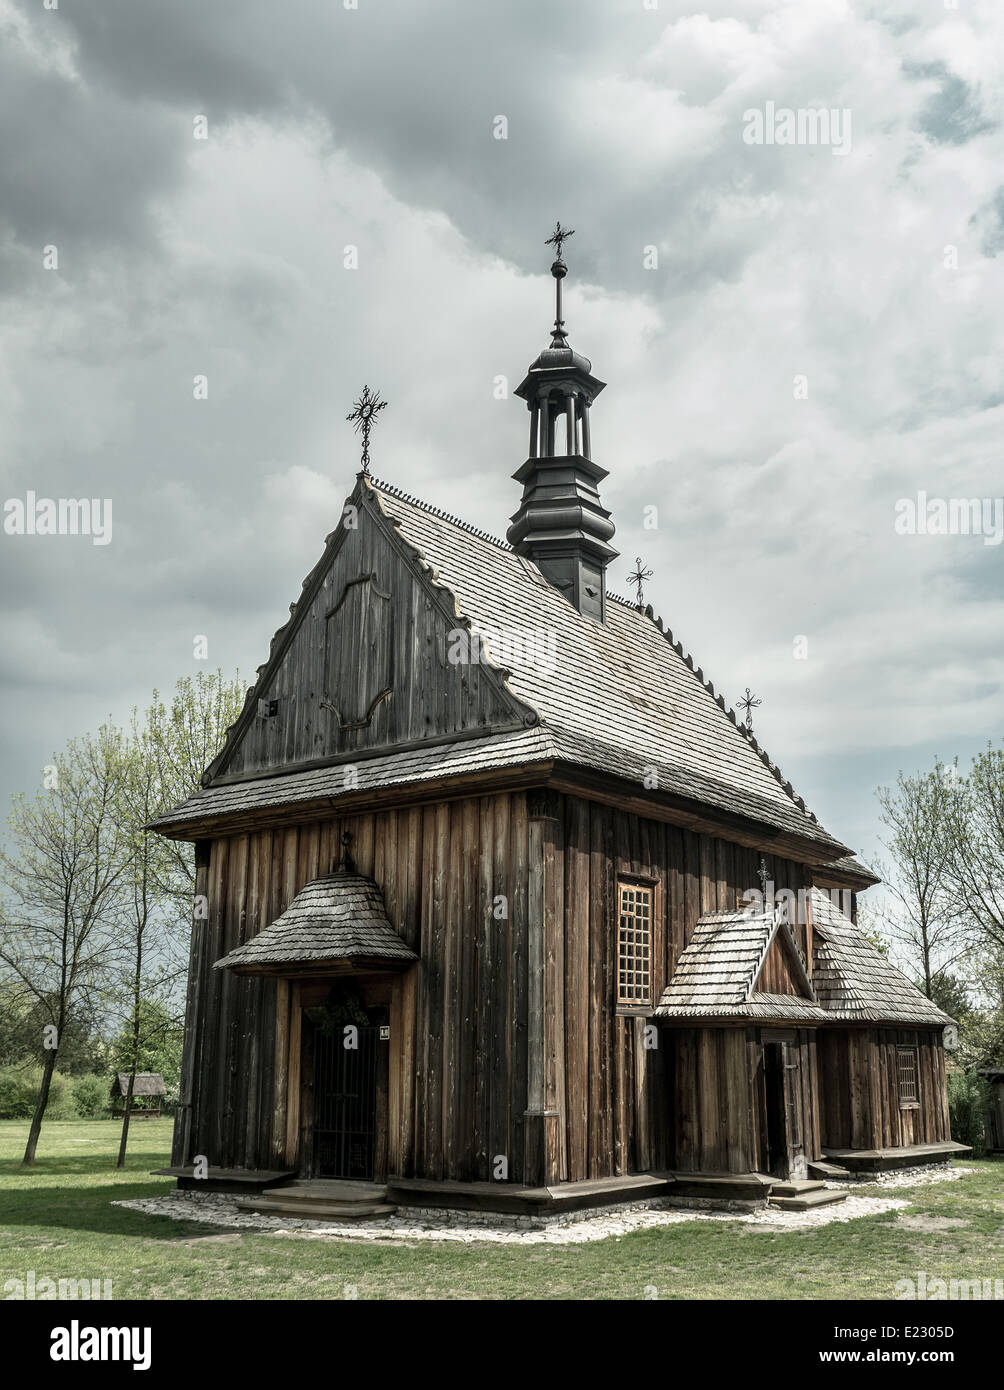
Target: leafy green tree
[(159, 1049), (950, 993)]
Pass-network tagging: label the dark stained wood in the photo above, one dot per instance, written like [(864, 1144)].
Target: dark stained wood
[(513, 1011)]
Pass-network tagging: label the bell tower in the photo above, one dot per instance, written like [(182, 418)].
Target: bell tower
[(561, 524)]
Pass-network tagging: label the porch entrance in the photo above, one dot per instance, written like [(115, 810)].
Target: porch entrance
[(783, 1143), (345, 1102)]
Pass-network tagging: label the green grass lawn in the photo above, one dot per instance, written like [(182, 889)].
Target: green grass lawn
[(57, 1219)]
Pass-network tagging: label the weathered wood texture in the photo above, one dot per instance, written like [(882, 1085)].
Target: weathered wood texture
[(506, 1043), (366, 665), (454, 880), (617, 1105), (720, 1101), (860, 1088)]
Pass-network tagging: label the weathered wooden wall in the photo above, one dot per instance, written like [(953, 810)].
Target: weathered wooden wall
[(860, 1089), (459, 1092), (719, 1104), (476, 1050), (614, 1094)]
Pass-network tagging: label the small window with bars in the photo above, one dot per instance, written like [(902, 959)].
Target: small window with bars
[(906, 1071), (634, 943)]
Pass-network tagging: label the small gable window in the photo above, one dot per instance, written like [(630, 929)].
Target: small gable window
[(906, 1071), (635, 913)]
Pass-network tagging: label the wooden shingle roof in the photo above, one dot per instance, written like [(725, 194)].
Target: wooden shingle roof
[(622, 698), (716, 974), (338, 917), (854, 980)]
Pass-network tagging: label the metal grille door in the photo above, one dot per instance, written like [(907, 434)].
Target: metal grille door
[(344, 1105)]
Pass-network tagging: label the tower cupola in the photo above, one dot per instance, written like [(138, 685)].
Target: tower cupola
[(561, 524)]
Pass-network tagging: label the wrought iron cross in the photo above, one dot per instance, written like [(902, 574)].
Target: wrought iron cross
[(749, 703), (638, 577), (561, 234), (364, 415)]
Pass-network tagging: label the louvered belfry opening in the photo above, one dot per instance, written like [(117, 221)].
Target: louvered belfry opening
[(561, 525)]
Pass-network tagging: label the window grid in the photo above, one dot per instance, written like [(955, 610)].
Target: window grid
[(634, 944), (906, 1070)]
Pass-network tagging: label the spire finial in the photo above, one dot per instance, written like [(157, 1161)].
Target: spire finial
[(638, 580), (364, 413), (559, 270)]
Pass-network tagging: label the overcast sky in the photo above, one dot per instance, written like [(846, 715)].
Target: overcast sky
[(376, 127)]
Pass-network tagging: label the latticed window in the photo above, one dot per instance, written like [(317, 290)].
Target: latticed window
[(634, 943), (906, 1069)]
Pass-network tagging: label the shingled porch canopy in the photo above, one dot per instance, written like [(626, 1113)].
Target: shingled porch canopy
[(721, 975), (335, 924)]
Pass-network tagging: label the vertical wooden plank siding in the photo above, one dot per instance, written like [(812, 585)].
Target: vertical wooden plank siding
[(512, 1006)]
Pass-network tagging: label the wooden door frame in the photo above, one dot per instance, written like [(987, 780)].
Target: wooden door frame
[(292, 1116), (790, 1100)]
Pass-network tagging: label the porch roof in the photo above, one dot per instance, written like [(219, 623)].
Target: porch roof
[(338, 917), (716, 974)]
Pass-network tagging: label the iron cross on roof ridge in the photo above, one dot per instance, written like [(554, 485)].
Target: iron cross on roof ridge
[(637, 578)]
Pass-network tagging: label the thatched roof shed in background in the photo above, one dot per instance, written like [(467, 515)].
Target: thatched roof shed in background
[(146, 1083)]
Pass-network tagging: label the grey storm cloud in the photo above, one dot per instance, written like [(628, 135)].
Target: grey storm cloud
[(374, 127)]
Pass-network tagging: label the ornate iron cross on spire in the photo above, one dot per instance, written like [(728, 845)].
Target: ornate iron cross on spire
[(561, 235), (638, 577), (559, 270), (364, 414), (749, 703)]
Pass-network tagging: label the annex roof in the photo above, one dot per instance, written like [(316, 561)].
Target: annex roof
[(855, 981)]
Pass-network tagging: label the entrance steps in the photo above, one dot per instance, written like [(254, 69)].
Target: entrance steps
[(803, 1195), (323, 1199), (831, 1171)]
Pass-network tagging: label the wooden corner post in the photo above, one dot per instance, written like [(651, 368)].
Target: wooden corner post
[(545, 1159)]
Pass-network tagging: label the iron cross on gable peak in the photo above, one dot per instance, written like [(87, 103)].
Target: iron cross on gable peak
[(364, 414)]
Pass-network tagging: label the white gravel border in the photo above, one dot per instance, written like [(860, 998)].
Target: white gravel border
[(219, 1209)]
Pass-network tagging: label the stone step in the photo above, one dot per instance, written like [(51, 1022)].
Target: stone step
[(808, 1201), (796, 1187), (831, 1171), (317, 1210)]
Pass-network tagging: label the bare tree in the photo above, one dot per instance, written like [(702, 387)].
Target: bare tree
[(167, 754), (976, 863), (919, 818), (68, 855)]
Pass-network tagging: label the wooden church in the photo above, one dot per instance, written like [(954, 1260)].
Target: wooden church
[(483, 906)]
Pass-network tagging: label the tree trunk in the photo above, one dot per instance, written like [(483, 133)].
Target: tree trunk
[(133, 1061), (125, 1117), (41, 1103)]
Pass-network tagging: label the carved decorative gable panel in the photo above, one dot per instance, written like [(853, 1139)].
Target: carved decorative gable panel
[(358, 652)]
